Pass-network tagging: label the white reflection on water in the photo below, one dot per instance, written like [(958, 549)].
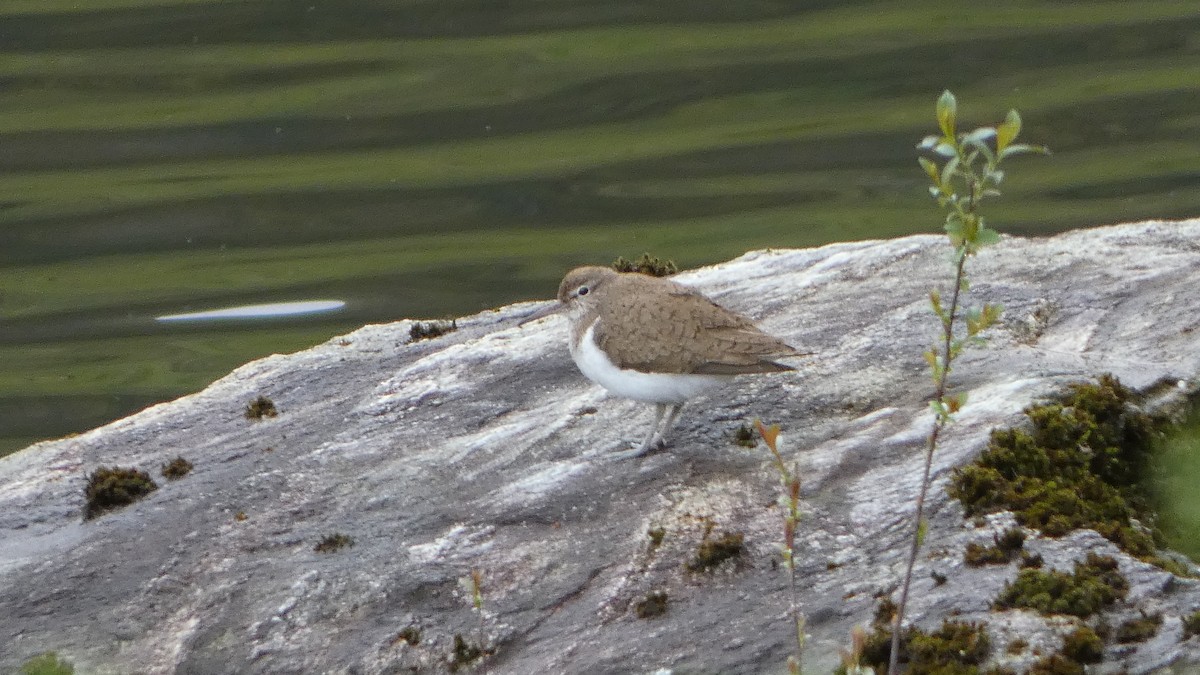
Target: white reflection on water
[(259, 311)]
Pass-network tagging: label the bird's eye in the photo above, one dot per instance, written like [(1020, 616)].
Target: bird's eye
[(583, 290)]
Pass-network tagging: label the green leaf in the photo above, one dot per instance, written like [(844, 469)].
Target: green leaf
[(1023, 149), (979, 136), (1007, 131), (946, 150), (948, 171), (986, 236), (947, 111), (931, 169), (922, 529)]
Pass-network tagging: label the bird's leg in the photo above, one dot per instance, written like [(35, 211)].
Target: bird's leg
[(669, 422), (652, 439)]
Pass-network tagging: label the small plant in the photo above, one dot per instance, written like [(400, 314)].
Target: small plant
[(260, 407), (240, 516), (712, 552), (1140, 629), (790, 502), (331, 543), (1191, 625), (744, 436), (1005, 550), (1083, 646), (110, 488), (427, 330), (970, 173), (1095, 584), (852, 659), (654, 267), (47, 663), (651, 606), (176, 468)]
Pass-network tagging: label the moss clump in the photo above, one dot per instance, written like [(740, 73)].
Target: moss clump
[(954, 649), (110, 488), (47, 663), (464, 653), (333, 542), (427, 330), (1083, 464), (1191, 625), (176, 468), (1006, 548), (653, 605), (744, 436), (410, 635), (646, 264), (1056, 664), (1083, 646), (713, 552), (1031, 560), (656, 535), (1138, 630), (1095, 584), (260, 407)]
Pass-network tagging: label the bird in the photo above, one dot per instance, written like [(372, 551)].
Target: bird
[(654, 340)]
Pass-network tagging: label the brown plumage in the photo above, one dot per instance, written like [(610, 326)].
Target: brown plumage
[(658, 341)]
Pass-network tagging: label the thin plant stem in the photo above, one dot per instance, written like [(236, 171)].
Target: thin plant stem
[(791, 517), (939, 424)]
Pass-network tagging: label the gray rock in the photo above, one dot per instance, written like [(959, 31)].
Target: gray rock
[(485, 450)]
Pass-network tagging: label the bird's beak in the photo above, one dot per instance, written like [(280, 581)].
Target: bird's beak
[(542, 313)]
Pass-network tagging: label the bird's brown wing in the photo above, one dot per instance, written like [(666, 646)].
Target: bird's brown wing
[(670, 328)]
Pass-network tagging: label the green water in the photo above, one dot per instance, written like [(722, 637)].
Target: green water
[(436, 157)]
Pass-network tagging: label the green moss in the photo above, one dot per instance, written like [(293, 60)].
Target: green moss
[(1095, 584), (1056, 664), (1017, 646), (260, 407), (110, 488), (176, 468), (655, 267), (656, 535), (1006, 549), (956, 648), (1031, 560), (653, 605), (427, 330), (410, 635), (333, 542), (1191, 625), (1083, 645), (1138, 630), (1083, 464), (713, 552), (464, 653), (745, 436), (47, 664)]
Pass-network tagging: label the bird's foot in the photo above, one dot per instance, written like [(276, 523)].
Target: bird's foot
[(653, 445)]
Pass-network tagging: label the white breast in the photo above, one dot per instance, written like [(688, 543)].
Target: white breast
[(634, 384)]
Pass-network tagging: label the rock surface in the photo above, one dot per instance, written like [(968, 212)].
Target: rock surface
[(485, 450)]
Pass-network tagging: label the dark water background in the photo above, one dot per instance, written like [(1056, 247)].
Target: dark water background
[(425, 158)]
